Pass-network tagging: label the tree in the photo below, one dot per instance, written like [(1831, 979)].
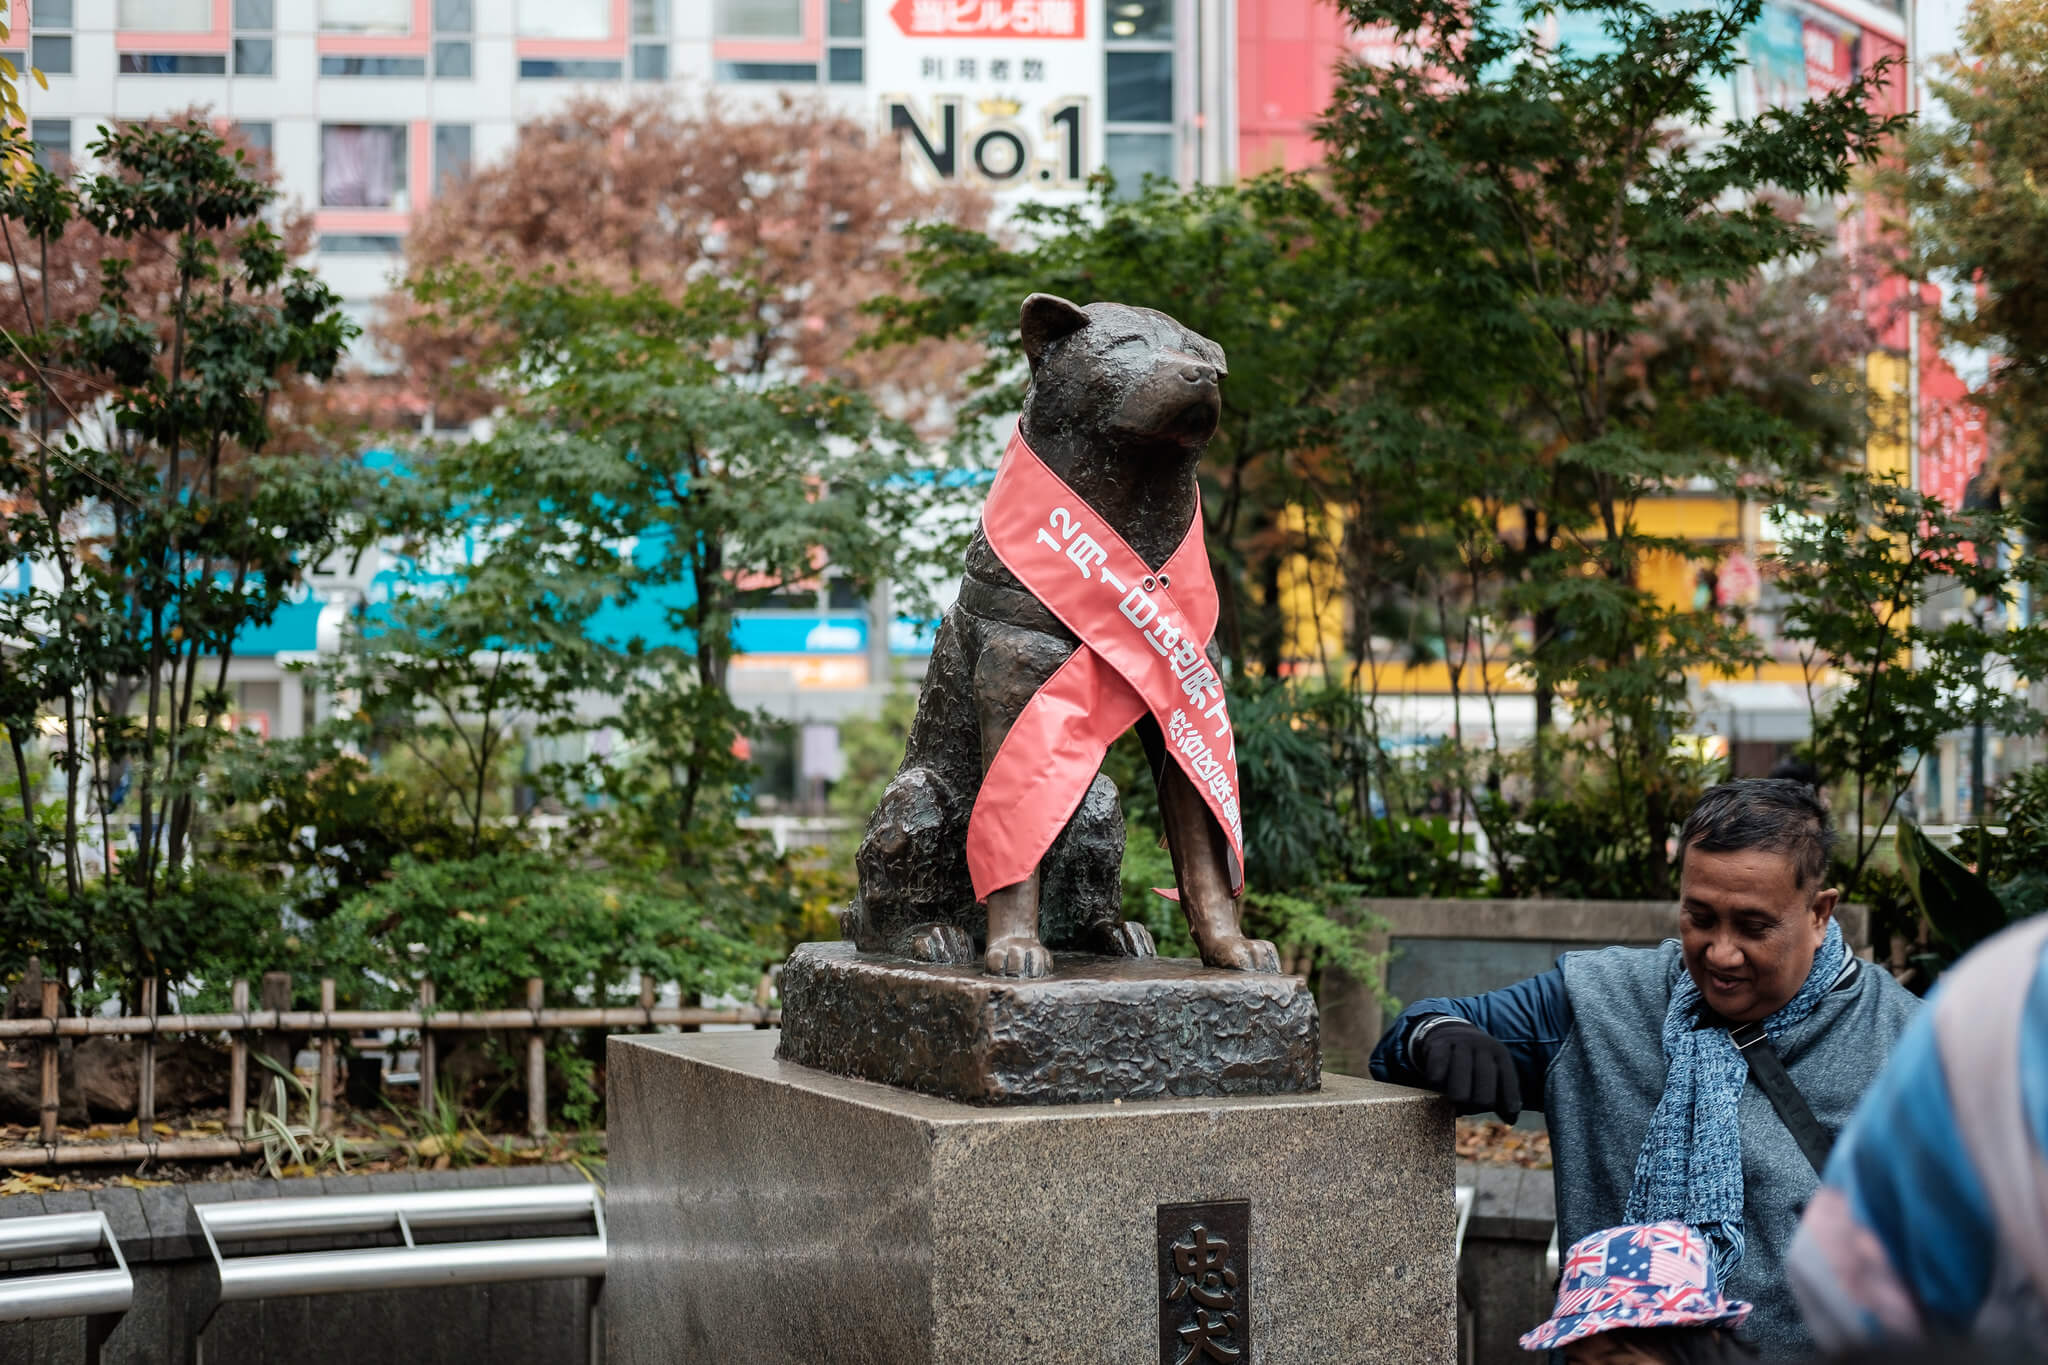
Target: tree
[(150, 522), (1272, 270), (1979, 220), (800, 208), (1536, 205), (641, 461), (1859, 563)]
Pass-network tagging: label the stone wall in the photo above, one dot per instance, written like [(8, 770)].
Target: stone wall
[(538, 1323)]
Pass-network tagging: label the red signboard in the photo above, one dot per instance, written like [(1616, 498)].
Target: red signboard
[(990, 18)]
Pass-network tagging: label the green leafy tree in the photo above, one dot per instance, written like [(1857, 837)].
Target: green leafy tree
[(152, 525), (1859, 564), (635, 465), (1535, 204), (1979, 219), (1273, 270)]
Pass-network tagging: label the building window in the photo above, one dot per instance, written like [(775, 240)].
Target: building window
[(539, 69), (453, 60), (759, 19), (1139, 20), (1140, 87), (1138, 105), (52, 137), (843, 66), (366, 16), (650, 18), (564, 18), (373, 66), (362, 165), (49, 44), (164, 16), (254, 53), (173, 64), (451, 155), (786, 73), (259, 136), (50, 53), (843, 19), (1133, 156), (253, 57), (358, 244), (454, 16), (650, 62)]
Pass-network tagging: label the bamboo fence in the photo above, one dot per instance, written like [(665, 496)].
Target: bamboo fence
[(270, 1025)]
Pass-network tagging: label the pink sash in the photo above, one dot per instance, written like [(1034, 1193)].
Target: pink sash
[(1143, 647)]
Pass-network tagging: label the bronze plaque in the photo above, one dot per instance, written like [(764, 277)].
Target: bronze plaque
[(1205, 1283)]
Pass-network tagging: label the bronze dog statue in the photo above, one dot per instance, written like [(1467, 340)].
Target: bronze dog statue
[(1122, 403)]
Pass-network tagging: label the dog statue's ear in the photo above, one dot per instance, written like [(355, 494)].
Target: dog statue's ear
[(1047, 318)]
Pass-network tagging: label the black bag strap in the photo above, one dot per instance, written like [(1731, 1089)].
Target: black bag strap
[(1771, 1077)]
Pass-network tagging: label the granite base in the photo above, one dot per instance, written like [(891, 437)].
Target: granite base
[(1098, 1028), (763, 1211)]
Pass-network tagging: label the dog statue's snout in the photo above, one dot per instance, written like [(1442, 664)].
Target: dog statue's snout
[(1196, 373)]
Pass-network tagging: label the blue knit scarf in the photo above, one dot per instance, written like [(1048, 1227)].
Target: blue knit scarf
[(1690, 1168)]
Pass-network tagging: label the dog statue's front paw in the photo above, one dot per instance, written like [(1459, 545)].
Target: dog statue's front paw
[(947, 944), (1242, 954), (1025, 957)]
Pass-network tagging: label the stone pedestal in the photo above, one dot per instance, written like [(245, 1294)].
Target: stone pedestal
[(1098, 1028), (762, 1211)]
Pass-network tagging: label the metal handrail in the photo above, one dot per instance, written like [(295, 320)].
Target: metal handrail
[(242, 1278), (99, 1294), (334, 1215), (51, 1234)]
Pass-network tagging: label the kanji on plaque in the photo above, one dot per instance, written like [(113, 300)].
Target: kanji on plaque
[(1205, 1313), (990, 18)]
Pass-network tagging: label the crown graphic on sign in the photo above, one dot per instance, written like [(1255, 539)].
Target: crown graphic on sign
[(999, 106)]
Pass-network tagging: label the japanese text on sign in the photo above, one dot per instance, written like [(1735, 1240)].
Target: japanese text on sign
[(1204, 1293), (1166, 635), (989, 18)]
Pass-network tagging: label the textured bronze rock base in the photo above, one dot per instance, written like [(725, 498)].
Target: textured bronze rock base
[(762, 1213), (1098, 1028)]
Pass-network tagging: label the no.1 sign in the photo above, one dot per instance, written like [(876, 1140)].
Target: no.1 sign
[(999, 93)]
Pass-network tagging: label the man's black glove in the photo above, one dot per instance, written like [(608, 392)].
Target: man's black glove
[(1467, 1066)]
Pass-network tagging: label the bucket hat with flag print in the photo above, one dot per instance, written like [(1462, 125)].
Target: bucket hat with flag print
[(1637, 1275)]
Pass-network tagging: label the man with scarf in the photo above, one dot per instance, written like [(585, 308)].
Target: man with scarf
[(1633, 1055)]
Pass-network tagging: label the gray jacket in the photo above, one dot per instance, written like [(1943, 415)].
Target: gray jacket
[(1608, 1074)]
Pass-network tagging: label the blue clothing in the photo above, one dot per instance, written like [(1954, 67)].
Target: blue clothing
[(1690, 1167), (1586, 1041), (1933, 1218)]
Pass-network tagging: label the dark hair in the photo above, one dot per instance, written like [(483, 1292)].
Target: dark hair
[(1797, 770), (1684, 1345), (1774, 814)]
